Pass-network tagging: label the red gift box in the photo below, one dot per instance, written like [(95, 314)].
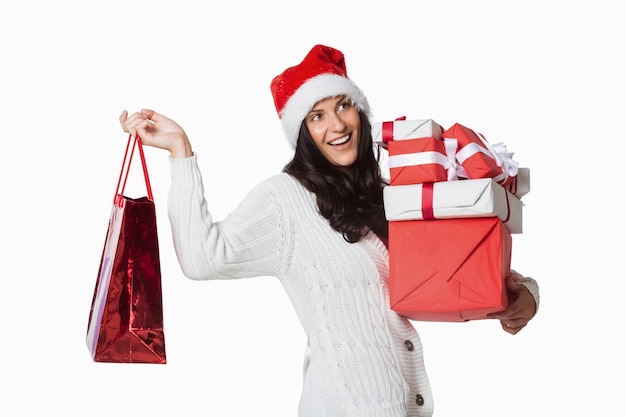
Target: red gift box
[(448, 270), (416, 161), (475, 155)]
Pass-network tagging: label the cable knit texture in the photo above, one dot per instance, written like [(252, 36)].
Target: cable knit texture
[(362, 358)]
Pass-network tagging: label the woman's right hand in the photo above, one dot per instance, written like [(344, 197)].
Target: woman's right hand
[(156, 130)]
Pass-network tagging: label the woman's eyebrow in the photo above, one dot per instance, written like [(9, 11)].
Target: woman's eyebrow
[(339, 98)]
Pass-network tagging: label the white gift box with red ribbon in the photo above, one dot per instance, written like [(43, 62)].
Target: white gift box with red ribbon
[(481, 197), (401, 128)]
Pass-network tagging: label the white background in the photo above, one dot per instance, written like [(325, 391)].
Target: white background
[(544, 77)]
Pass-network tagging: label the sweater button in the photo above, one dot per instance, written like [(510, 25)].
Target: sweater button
[(409, 345), (419, 400)]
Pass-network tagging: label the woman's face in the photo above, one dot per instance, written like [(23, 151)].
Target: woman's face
[(334, 125)]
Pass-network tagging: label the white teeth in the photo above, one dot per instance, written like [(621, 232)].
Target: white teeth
[(340, 140)]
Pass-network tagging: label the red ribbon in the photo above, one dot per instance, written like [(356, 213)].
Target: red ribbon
[(512, 187), (427, 201), (508, 207), (387, 130)]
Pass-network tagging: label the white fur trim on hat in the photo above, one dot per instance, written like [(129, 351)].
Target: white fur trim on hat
[(313, 90)]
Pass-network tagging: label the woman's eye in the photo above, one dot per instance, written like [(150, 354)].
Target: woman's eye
[(345, 105)]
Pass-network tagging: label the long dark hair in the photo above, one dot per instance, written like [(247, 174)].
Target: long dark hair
[(351, 203)]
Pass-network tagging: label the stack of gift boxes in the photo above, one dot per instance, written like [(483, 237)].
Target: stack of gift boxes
[(453, 202)]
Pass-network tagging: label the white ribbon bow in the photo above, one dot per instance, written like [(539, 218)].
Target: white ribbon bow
[(455, 170), (503, 158)]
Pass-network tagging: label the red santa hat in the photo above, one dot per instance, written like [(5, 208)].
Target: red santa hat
[(320, 75)]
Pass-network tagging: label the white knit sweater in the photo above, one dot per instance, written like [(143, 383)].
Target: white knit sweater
[(362, 358)]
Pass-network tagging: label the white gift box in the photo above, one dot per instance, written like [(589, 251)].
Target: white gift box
[(407, 129), (481, 197)]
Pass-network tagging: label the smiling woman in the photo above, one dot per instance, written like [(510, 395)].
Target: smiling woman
[(319, 227)]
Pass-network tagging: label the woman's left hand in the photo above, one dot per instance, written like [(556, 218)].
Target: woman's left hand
[(522, 306)]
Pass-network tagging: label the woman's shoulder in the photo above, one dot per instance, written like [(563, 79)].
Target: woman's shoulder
[(284, 189), (281, 181)]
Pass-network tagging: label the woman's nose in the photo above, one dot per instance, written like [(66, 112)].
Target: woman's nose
[(337, 123)]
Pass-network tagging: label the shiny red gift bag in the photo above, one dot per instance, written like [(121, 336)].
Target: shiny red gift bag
[(448, 269), (126, 317)]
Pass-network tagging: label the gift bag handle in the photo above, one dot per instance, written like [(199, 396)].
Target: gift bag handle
[(126, 167)]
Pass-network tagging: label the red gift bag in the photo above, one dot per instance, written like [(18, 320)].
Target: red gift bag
[(126, 317)]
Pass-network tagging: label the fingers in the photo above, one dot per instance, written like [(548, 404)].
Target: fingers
[(521, 305), (512, 328), (135, 123), (512, 320), (123, 118), (151, 115), (516, 316), (157, 130), (513, 315)]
